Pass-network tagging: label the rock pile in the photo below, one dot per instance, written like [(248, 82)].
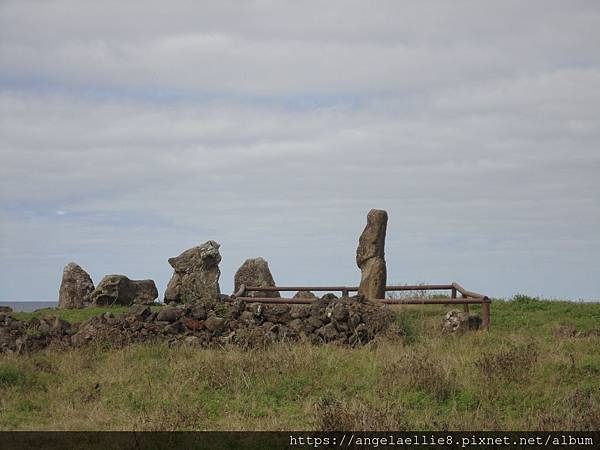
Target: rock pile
[(456, 321), (345, 321), (370, 255), (18, 336)]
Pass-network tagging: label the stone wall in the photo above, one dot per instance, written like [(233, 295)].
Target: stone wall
[(344, 321)]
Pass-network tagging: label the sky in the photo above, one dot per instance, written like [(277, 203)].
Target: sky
[(131, 131)]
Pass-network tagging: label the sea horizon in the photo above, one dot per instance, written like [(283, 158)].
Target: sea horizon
[(29, 305)]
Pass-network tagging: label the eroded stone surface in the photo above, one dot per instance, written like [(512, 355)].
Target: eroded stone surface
[(370, 255), (456, 321), (255, 272), (120, 290), (76, 287), (196, 276)]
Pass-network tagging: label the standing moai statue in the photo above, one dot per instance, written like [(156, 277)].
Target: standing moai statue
[(370, 255)]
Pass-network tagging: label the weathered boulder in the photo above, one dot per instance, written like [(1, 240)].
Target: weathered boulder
[(305, 295), (75, 288), (196, 277), (169, 314), (370, 255), (5, 309), (255, 272), (120, 290), (456, 321)]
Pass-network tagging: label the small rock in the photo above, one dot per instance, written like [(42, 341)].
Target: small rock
[(248, 318), (457, 321), (256, 309), (192, 340), (299, 312), (297, 325), (44, 328), (168, 314), (194, 324), (312, 323), (340, 312), (214, 323), (305, 295), (140, 311), (327, 333), (277, 313), (198, 312)]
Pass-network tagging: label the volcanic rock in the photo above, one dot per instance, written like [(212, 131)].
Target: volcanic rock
[(75, 288), (196, 277), (255, 272), (370, 255), (120, 290), (456, 321)]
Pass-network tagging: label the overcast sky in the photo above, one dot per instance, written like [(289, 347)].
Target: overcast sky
[(131, 131)]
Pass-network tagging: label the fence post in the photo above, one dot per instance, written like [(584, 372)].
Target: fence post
[(466, 305), (485, 312)]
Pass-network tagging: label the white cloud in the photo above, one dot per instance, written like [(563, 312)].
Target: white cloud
[(273, 127)]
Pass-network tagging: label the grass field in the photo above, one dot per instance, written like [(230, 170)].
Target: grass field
[(527, 373)]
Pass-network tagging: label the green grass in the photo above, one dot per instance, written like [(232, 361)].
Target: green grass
[(519, 376), (74, 315)]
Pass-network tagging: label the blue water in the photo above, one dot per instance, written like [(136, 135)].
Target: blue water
[(29, 306)]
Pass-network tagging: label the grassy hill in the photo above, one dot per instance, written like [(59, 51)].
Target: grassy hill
[(538, 368)]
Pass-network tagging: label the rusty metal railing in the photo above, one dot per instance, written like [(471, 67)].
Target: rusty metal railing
[(467, 297)]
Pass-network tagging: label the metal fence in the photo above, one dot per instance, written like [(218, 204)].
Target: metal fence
[(466, 297)]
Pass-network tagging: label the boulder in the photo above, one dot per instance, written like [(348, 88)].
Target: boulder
[(76, 288), (120, 290), (456, 321), (214, 323), (305, 294), (196, 277), (255, 272), (139, 311), (5, 310), (370, 255), (169, 314)]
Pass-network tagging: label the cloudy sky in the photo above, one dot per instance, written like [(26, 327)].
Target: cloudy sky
[(131, 131)]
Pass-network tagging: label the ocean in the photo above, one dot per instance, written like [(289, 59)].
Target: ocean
[(29, 306)]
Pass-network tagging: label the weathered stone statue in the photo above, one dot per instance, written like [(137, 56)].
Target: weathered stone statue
[(75, 288), (120, 290), (255, 272), (196, 277), (370, 255)]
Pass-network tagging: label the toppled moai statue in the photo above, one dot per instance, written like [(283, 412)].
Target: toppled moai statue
[(370, 255), (120, 290), (456, 321), (76, 287), (255, 272), (196, 277)]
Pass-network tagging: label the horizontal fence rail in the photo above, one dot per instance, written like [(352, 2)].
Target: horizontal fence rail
[(467, 297)]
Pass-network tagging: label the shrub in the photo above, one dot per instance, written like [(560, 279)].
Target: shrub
[(513, 364), (355, 415), (10, 376)]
